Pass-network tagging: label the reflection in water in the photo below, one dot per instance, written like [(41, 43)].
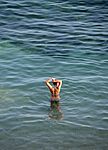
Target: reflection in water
[(55, 114), (55, 111)]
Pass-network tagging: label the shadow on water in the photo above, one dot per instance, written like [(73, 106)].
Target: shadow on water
[(55, 111), (55, 114), (43, 109)]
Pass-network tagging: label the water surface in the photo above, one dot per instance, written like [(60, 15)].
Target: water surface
[(54, 38)]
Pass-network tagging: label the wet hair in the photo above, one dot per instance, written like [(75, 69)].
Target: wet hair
[(55, 83)]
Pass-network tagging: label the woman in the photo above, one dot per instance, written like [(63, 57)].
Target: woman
[(55, 91)]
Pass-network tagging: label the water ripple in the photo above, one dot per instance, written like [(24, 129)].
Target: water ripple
[(62, 39)]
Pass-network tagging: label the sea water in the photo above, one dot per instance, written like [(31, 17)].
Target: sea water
[(65, 39)]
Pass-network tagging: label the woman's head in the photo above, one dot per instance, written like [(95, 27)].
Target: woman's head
[(53, 80), (54, 83)]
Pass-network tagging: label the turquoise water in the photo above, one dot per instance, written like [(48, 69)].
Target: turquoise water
[(54, 38)]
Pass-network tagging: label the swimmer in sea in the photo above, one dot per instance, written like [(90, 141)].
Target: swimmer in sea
[(55, 91)]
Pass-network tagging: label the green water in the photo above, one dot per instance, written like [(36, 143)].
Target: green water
[(62, 39)]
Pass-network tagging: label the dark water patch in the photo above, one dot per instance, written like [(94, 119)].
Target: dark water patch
[(96, 53), (97, 2), (88, 3)]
